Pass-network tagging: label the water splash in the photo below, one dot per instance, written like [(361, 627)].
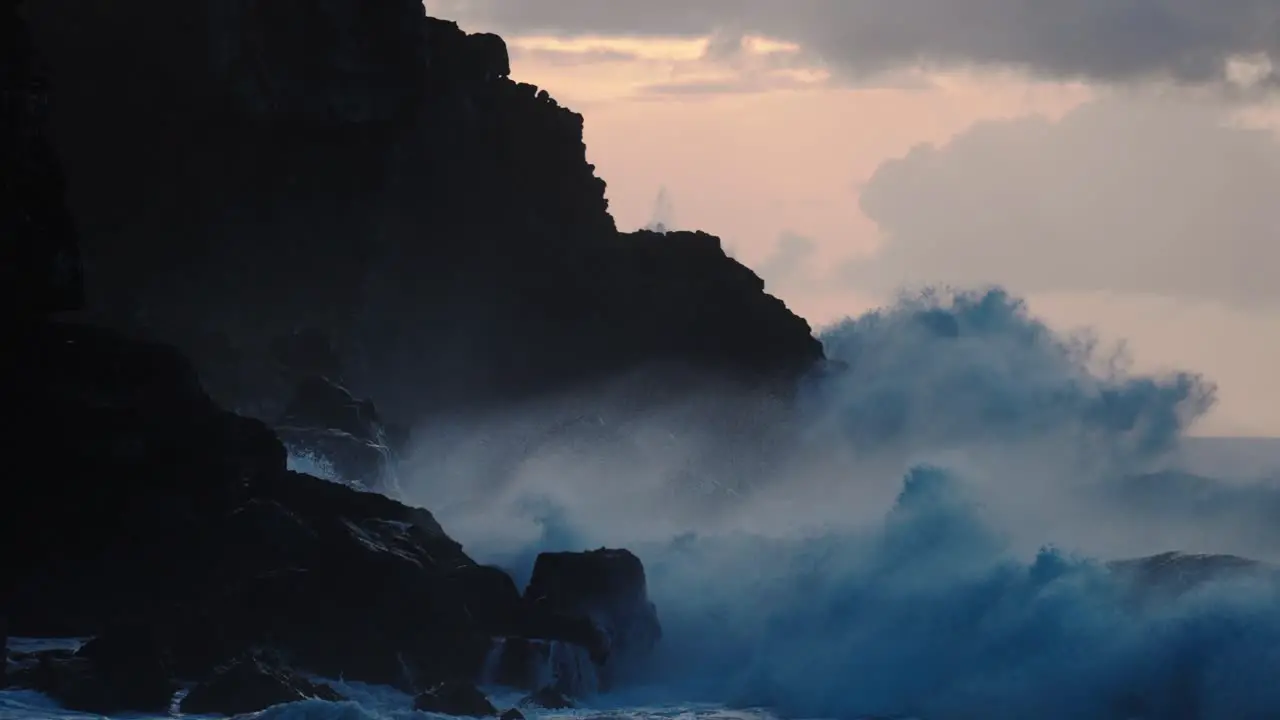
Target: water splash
[(927, 537)]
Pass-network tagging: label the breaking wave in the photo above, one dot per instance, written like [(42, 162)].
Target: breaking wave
[(928, 534)]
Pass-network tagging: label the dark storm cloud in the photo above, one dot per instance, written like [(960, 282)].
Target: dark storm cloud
[(1107, 40)]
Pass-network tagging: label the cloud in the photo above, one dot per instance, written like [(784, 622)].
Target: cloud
[(563, 57), (1126, 194), (723, 86), (788, 264), (1108, 40)]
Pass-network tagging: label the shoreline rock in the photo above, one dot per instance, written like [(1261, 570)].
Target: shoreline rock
[(190, 526), (250, 685)]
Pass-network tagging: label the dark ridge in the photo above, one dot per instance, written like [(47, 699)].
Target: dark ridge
[(170, 530), (39, 255), (243, 169)]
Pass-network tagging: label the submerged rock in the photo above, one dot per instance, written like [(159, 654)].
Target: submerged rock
[(120, 671), (547, 698), (249, 685), (455, 698)]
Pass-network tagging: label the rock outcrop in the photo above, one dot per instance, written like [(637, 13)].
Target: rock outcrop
[(121, 671), (249, 685), (607, 587), (168, 528), (154, 514), (547, 698), (455, 698), (40, 269), (323, 423), (242, 169), (177, 521)]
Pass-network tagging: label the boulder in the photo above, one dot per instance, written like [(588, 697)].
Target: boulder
[(117, 672), (249, 685), (188, 523), (162, 524), (606, 585), (547, 698), (455, 698), (324, 422), (489, 56), (596, 601)]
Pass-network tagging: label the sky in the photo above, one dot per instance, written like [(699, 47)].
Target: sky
[(1114, 162)]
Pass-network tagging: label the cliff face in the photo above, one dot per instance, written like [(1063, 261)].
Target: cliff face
[(243, 168), (170, 528), (39, 258)]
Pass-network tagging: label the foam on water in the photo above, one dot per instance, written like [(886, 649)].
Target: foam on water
[(929, 541), (928, 538), (313, 465)]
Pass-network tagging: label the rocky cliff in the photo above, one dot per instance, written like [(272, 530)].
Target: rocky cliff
[(243, 168), (170, 529), (39, 254)]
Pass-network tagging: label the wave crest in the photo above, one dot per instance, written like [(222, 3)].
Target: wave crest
[(926, 533)]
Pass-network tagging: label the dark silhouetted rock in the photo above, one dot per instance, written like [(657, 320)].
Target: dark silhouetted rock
[(373, 174), (547, 698), (155, 520), (488, 55), (606, 587), (324, 422), (249, 685), (40, 269), (455, 698), (187, 523), (511, 714), (124, 670)]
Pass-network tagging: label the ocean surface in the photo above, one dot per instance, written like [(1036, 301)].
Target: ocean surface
[(372, 703), (931, 541)]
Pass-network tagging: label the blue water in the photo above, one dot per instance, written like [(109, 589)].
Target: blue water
[(930, 541)]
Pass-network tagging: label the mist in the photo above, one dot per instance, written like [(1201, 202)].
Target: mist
[(924, 529)]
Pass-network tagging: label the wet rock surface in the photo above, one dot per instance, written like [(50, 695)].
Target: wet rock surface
[(249, 685), (455, 698), (191, 528), (324, 423), (123, 670), (547, 698)]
